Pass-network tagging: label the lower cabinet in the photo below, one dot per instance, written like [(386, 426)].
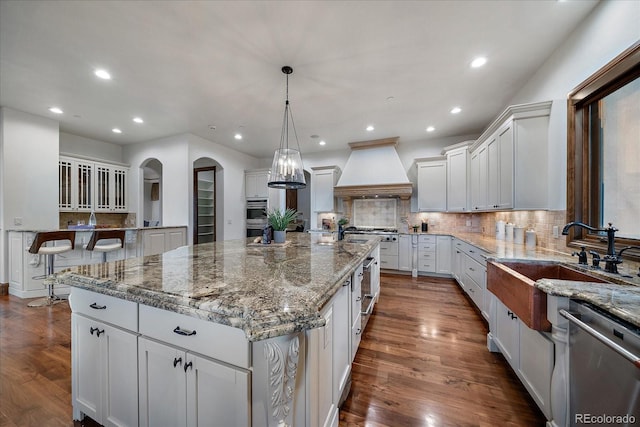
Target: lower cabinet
[(530, 353), (180, 388), (159, 240), (427, 253), (105, 385), (404, 252), (443, 254)]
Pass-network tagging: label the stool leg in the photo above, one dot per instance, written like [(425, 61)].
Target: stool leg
[(51, 297), (104, 257)]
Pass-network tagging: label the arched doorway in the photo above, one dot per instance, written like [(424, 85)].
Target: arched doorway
[(152, 193)]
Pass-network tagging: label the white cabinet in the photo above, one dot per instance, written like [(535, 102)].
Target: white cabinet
[(432, 185), (111, 188), (530, 353), (323, 179), (103, 358), (356, 310), (180, 388), (86, 185), (104, 381), (163, 239), (76, 185), (443, 254), (427, 253), (389, 251), (457, 172), (255, 184), (457, 261), (404, 252), (479, 177), (509, 162)]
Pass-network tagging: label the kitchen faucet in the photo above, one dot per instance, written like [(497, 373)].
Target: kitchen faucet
[(611, 259)]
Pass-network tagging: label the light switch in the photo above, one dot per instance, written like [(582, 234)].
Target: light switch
[(17, 220)]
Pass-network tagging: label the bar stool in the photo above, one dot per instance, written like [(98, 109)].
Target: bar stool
[(38, 247), (106, 247)]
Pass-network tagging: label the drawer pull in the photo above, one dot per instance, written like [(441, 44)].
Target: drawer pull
[(177, 360), (471, 268), (472, 251), (98, 307), (96, 330), (188, 366), (184, 332), (358, 331)]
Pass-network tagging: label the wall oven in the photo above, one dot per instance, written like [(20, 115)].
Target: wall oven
[(256, 217)]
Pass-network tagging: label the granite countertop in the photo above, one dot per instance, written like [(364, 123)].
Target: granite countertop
[(266, 291), (620, 297)]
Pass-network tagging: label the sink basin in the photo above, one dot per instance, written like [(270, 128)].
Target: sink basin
[(513, 283)]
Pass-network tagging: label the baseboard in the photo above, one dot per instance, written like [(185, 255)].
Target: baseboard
[(4, 289)]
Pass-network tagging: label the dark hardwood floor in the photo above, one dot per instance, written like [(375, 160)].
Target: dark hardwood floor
[(422, 362)]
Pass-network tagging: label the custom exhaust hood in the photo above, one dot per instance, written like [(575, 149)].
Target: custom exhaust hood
[(374, 169)]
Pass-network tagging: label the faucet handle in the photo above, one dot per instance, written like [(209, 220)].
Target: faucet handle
[(582, 256), (595, 260)]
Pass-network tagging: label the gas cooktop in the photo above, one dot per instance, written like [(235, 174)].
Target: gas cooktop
[(370, 230)]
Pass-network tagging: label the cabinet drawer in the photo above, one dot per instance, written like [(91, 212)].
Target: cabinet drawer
[(427, 265), (389, 248), (356, 305), (426, 239), (475, 293), (389, 262), (475, 271), (426, 255), (426, 247), (105, 308), (356, 336), (211, 339)]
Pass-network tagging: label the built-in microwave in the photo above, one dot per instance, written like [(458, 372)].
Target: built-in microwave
[(256, 217)]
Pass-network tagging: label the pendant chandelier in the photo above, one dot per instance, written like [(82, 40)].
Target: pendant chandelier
[(287, 170)]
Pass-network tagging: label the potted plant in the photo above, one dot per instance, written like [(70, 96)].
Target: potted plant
[(341, 223), (280, 221)]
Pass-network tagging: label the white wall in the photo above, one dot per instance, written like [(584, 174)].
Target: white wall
[(611, 28), (177, 154), (29, 159), (87, 147)]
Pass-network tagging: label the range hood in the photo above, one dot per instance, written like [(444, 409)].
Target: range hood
[(374, 169)]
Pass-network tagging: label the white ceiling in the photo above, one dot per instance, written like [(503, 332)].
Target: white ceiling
[(183, 66)]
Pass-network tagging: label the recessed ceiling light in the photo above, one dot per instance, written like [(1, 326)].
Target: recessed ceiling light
[(116, 130), (237, 136), (322, 143), (56, 110), (430, 129), (138, 120), (456, 110), (103, 74), (478, 62), (370, 128)]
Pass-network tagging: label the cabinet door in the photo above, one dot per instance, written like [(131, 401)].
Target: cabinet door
[(256, 185), (457, 181), (505, 182), (323, 181), (432, 186), (103, 188), (85, 370), (216, 394), (479, 178), (66, 188), (341, 339), (120, 377), (507, 334), (536, 366), (83, 178), (443, 255), (162, 383), (174, 238), (326, 392), (493, 173), (119, 189), (404, 252)]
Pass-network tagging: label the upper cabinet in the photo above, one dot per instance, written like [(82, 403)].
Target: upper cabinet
[(509, 162), (86, 185), (323, 180), (457, 178), (255, 184), (432, 185)]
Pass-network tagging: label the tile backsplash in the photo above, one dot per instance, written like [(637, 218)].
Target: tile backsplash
[(112, 219)]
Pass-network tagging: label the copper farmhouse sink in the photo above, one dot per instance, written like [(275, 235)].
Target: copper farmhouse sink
[(513, 283)]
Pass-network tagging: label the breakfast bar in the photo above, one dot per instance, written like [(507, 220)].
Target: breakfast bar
[(247, 334)]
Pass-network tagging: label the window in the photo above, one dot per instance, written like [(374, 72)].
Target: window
[(603, 169)]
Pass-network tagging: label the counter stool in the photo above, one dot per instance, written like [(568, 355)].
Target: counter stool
[(38, 247), (106, 247)]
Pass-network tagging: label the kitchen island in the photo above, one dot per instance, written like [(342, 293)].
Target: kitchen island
[(227, 333)]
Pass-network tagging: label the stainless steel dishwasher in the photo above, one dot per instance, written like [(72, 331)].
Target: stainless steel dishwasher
[(604, 368)]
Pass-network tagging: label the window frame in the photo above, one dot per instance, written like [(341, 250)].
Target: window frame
[(583, 197)]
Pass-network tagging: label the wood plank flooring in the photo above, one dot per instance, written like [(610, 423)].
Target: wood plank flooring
[(422, 362)]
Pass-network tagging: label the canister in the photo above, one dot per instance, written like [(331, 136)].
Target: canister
[(518, 235), (500, 230), (508, 230), (530, 239)]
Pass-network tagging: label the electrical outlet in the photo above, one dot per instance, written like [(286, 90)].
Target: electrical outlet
[(556, 232), (468, 223), (17, 220)]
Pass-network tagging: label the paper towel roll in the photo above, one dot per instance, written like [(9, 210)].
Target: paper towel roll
[(518, 235), (508, 229), (531, 239), (500, 230)]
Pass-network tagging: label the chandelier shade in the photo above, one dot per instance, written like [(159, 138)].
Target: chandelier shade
[(287, 170)]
